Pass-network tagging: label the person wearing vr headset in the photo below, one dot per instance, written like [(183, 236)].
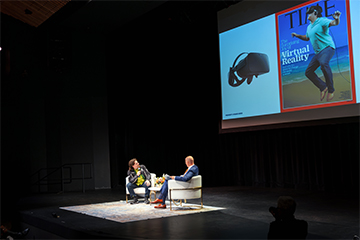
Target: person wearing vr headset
[(318, 34)]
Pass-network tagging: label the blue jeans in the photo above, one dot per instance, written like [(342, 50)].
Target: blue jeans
[(322, 59), (132, 186), (164, 191)]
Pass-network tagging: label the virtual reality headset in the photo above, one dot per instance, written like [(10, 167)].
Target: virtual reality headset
[(254, 64), (316, 9)]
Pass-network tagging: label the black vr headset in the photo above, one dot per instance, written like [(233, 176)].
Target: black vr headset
[(254, 64)]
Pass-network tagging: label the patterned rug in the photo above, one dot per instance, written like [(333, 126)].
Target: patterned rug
[(123, 212)]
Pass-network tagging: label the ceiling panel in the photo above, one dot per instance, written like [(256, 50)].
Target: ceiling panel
[(33, 13)]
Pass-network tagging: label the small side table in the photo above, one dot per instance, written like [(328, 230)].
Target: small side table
[(153, 191)]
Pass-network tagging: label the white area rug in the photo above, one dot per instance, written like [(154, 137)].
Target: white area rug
[(123, 212)]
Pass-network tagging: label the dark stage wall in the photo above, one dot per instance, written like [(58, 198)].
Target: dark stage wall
[(54, 111)]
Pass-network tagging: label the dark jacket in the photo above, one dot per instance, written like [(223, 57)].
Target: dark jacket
[(133, 177), (288, 229)]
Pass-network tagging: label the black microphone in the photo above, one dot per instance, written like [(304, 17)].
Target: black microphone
[(139, 169)]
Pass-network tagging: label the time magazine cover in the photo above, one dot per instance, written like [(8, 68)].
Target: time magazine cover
[(315, 56)]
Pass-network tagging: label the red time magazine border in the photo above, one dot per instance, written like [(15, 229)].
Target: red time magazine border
[(322, 105)]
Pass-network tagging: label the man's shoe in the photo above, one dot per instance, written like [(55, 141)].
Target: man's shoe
[(147, 201), (160, 206), (157, 201), (25, 232), (136, 200)]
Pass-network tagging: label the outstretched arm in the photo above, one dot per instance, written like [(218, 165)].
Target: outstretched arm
[(302, 37), (336, 20)]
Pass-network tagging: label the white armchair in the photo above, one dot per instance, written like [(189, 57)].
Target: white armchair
[(191, 189), (140, 190)]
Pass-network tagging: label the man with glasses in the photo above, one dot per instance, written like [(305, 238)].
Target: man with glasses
[(139, 176)]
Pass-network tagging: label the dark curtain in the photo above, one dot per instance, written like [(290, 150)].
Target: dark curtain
[(323, 157), (315, 157)]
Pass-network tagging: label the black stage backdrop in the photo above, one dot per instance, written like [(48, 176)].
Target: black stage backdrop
[(164, 104)]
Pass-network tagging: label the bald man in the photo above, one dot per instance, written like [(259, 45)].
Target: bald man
[(191, 171)]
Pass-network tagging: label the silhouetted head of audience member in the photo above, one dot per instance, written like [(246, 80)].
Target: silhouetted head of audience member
[(285, 225), (286, 207)]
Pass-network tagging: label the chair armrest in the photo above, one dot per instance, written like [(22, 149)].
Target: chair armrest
[(126, 182), (190, 188)]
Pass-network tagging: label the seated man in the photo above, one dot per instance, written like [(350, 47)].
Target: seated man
[(139, 176), (192, 171)]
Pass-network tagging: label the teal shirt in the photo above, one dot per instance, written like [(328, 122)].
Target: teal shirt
[(318, 33)]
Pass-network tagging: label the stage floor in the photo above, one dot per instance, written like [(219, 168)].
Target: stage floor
[(246, 216)]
